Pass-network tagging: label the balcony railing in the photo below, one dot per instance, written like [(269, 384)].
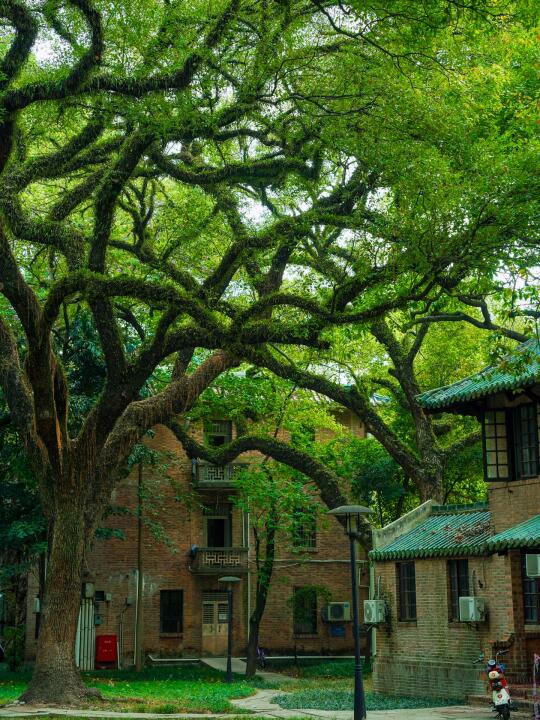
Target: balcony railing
[(219, 560), (208, 475)]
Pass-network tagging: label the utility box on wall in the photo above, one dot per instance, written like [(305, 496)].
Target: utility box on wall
[(106, 651)]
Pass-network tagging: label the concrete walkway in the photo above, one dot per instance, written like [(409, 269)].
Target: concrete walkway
[(239, 666), (261, 706)]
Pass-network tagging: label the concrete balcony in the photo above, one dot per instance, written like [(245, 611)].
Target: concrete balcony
[(206, 475), (208, 561)]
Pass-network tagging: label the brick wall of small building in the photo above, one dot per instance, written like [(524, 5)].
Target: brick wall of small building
[(513, 502), (433, 656), (175, 509)]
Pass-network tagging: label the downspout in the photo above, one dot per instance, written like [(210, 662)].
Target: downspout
[(248, 604), (372, 597)]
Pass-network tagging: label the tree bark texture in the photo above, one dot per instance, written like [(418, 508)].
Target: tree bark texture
[(56, 679), (264, 577)]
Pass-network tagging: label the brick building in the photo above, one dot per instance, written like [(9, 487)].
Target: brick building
[(205, 536), (429, 559)]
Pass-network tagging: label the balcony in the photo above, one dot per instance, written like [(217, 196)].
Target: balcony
[(206, 561), (207, 475)]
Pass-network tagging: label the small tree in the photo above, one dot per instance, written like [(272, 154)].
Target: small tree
[(279, 504)]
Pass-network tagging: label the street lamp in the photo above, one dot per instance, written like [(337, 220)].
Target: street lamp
[(351, 515), (230, 580)]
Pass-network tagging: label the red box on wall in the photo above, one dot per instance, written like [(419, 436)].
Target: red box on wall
[(106, 650)]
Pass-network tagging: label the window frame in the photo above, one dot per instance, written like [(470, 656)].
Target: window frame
[(458, 585), (507, 438), (531, 431), (522, 457), (533, 591), (167, 592), (304, 535), (211, 431), (406, 596), (297, 624)]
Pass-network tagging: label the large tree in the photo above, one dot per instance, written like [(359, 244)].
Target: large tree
[(208, 181)]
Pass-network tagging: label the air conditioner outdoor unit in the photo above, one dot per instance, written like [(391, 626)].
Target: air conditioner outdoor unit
[(337, 612), (532, 565), (374, 612), (472, 609)]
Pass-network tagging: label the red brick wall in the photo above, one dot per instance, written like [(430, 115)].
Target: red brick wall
[(112, 566)]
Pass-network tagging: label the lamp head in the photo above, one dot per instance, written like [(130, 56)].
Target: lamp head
[(229, 579), (351, 514)]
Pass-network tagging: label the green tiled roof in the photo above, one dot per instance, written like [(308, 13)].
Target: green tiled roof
[(516, 370), (526, 534), (450, 530)]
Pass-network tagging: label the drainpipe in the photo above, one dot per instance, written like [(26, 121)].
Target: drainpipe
[(248, 577), (372, 597)]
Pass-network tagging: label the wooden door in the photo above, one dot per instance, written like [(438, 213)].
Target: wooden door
[(215, 622)]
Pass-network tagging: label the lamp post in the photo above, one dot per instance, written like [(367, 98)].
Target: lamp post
[(351, 515), (230, 580)]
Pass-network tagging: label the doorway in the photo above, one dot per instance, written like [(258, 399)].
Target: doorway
[(215, 623)]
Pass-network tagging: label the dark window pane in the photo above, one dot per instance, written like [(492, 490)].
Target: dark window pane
[(171, 604), (305, 611), (496, 445), (218, 432), (526, 440), (406, 583), (458, 581), (305, 533), (531, 592)]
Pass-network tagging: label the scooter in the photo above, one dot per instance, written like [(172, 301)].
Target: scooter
[(500, 694), (498, 684)]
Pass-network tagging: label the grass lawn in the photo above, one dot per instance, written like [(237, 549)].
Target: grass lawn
[(191, 688), (325, 685), (315, 668), (333, 699), (336, 693)]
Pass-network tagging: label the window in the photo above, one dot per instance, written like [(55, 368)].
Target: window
[(511, 443), (305, 532), (458, 583), (218, 432), (171, 609), (496, 451), (526, 440), (218, 526), (531, 592), (406, 584), (305, 611)]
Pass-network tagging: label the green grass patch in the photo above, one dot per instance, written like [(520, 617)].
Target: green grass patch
[(316, 668), (191, 688), (343, 700)]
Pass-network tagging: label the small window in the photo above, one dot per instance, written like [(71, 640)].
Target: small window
[(526, 440), (496, 451), (305, 532), (406, 585), (458, 583), (531, 592), (171, 610), (218, 432), (305, 611)]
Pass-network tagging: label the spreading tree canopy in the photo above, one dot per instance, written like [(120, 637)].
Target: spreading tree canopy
[(214, 182)]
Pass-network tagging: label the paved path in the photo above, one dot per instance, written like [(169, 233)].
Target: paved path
[(260, 705), (239, 666)]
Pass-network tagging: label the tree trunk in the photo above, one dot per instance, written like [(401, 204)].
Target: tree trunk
[(264, 576), (56, 679), (139, 620)]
